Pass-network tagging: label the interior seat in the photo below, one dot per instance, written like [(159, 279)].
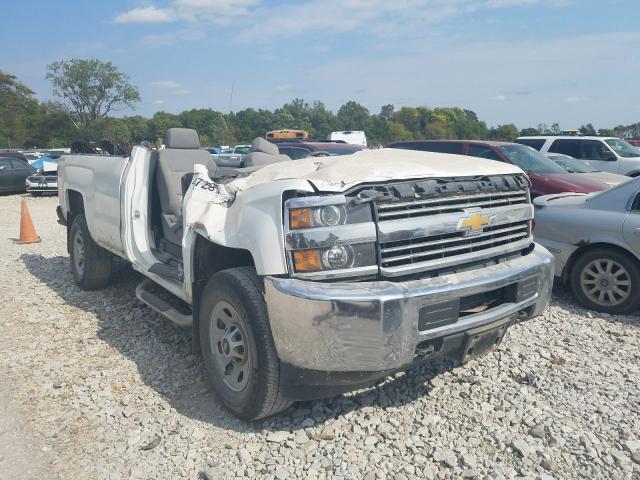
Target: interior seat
[(182, 151), (263, 153)]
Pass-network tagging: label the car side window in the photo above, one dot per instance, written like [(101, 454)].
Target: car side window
[(298, 153), (483, 151), (593, 150), (5, 164), (566, 147), (20, 165), (635, 205)]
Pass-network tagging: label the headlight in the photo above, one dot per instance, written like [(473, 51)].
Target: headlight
[(327, 216), (328, 236)]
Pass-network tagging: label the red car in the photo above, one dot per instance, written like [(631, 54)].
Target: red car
[(546, 177)]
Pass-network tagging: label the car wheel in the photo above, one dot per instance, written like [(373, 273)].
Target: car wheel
[(90, 263), (606, 280), (237, 346)]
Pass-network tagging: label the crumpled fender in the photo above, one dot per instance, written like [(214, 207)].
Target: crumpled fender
[(236, 216)]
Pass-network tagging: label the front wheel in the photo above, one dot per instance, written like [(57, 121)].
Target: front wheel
[(606, 280), (237, 345), (90, 263)]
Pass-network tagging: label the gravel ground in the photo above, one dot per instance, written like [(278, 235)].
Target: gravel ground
[(107, 389)]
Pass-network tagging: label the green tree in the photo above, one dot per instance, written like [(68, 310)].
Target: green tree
[(397, 131), (505, 133), (525, 132), (587, 129), (387, 111), (353, 116), (48, 125), (91, 88), (139, 128), (16, 103), (323, 122), (162, 121)]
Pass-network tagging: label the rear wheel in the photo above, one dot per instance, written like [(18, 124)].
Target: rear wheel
[(237, 345), (606, 280), (90, 263)]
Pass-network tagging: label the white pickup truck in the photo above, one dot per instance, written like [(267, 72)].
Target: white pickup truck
[(305, 279)]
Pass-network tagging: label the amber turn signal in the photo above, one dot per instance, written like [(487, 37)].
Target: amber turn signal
[(300, 218), (306, 261)]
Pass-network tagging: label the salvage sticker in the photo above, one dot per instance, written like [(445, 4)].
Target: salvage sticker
[(200, 182)]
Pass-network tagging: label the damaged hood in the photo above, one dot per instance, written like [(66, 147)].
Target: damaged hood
[(342, 172)]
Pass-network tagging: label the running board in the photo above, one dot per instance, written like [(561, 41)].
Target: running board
[(161, 306)]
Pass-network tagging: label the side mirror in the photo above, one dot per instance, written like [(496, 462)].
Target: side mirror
[(608, 157)]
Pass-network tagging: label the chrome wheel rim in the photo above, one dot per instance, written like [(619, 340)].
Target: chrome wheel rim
[(78, 252), (605, 282), (230, 346)]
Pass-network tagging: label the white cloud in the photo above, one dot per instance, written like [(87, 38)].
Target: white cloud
[(218, 12), (371, 17), (574, 99), (158, 102), (146, 15), (284, 88), (264, 22), (499, 97), (171, 87), (165, 84)]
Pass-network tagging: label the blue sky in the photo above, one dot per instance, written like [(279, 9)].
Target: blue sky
[(521, 61)]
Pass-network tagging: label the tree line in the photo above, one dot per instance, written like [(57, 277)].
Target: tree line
[(90, 91)]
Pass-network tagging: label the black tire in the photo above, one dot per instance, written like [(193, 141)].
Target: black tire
[(91, 264), (627, 280), (241, 291)]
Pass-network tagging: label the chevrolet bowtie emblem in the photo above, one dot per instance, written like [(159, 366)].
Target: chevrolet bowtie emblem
[(473, 223)]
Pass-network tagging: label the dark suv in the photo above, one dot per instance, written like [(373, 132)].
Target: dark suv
[(546, 177), (299, 150)]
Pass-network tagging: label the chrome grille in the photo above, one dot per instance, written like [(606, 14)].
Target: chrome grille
[(448, 245), (424, 234), (458, 203)]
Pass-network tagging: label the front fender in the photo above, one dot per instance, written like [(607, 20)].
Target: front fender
[(251, 221)]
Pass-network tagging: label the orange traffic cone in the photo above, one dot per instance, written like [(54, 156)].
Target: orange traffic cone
[(27, 231)]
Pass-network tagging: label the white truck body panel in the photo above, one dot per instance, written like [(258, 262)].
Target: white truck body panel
[(98, 178)]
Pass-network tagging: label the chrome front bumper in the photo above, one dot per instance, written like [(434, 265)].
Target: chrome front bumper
[(373, 326)]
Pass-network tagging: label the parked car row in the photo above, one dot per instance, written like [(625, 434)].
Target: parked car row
[(16, 175), (607, 154), (546, 176)]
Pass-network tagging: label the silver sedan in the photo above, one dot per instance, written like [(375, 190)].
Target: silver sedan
[(595, 239)]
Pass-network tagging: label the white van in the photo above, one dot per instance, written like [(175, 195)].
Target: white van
[(353, 137)]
